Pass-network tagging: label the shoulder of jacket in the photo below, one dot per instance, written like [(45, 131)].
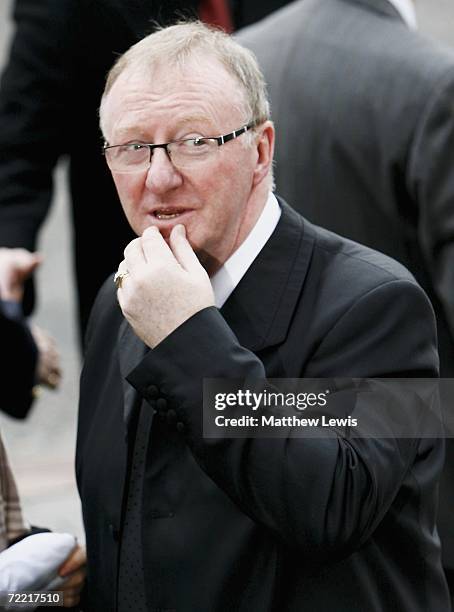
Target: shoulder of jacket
[(358, 261)]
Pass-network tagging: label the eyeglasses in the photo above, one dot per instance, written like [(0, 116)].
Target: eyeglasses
[(184, 154)]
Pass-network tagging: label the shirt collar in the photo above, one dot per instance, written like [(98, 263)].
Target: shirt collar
[(229, 275), (407, 11)]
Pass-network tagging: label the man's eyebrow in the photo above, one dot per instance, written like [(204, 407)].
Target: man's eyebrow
[(141, 134), (191, 119), (125, 132)]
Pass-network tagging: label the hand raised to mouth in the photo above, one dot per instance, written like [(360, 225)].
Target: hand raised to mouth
[(165, 285)]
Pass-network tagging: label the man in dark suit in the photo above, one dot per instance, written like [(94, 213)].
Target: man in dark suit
[(364, 114), (175, 520)]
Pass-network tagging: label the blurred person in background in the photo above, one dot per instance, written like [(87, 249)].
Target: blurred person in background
[(29, 357), (364, 113), (49, 96)]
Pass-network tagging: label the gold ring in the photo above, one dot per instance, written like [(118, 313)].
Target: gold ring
[(118, 278)]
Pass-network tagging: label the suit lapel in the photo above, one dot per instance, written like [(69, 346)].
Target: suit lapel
[(260, 308), (130, 351)]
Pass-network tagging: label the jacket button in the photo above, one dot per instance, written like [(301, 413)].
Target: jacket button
[(152, 392)]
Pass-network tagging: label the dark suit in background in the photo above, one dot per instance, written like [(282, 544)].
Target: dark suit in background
[(245, 12), (266, 525), (364, 111)]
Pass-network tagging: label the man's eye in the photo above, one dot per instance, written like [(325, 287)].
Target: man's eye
[(135, 146), (130, 148), (197, 142)]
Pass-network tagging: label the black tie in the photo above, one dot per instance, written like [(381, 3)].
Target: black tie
[(131, 584)]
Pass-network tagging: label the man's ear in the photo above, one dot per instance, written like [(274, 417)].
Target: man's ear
[(265, 151)]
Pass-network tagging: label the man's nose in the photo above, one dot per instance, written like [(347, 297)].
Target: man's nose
[(162, 175)]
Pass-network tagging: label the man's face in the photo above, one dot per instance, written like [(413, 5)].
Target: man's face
[(218, 201)]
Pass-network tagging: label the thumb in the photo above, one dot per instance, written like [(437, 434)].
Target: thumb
[(76, 559), (27, 264), (16, 265)]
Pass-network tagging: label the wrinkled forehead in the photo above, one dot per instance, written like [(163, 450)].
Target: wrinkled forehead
[(198, 78)]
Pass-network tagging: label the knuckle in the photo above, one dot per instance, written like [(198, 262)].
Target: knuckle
[(151, 230), (131, 246)]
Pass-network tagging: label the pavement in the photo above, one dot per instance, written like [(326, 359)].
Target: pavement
[(41, 449)]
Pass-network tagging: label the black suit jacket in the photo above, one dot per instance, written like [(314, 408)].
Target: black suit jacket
[(259, 525), (364, 118)]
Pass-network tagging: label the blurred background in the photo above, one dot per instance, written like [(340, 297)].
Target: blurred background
[(41, 449)]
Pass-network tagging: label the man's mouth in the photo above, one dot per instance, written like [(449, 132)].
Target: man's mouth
[(165, 214)]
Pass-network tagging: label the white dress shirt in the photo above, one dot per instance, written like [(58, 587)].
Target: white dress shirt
[(407, 10), (227, 278)]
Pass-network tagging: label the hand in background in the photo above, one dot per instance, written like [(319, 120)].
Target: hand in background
[(16, 265), (48, 370), (74, 569)]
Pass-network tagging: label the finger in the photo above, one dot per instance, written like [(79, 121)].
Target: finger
[(50, 354), (70, 593), (35, 260), (48, 366), (50, 340), (134, 256), (76, 560), (26, 262), (43, 338), (15, 266), (74, 581), (53, 358), (122, 268), (155, 247), (7, 287), (52, 380), (182, 250), (70, 601)]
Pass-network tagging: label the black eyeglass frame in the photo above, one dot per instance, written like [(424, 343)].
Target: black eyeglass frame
[(219, 139)]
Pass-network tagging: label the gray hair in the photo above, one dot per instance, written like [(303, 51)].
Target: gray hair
[(178, 43)]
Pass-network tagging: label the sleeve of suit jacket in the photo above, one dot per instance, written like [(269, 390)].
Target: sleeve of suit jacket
[(328, 494), (35, 117)]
